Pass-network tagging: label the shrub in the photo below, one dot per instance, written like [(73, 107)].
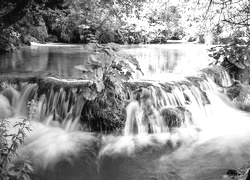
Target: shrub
[(108, 70), (235, 57), (9, 143)]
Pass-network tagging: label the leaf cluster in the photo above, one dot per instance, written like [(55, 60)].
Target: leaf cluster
[(108, 70), (105, 67), (237, 52)]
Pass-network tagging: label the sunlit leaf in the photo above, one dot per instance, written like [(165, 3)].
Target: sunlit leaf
[(94, 62), (134, 61), (90, 94), (118, 77), (99, 73), (99, 85)]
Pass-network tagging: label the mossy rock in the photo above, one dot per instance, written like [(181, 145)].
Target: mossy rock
[(175, 117), (215, 72), (243, 98)]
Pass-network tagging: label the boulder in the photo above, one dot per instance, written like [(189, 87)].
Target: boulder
[(240, 95), (243, 99), (175, 117)]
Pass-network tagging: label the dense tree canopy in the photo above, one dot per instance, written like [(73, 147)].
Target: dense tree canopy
[(219, 17), (123, 21), (12, 11)]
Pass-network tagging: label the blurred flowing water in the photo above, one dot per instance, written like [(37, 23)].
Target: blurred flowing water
[(214, 139)]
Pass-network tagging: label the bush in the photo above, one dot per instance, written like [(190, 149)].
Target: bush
[(108, 70), (235, 57), (9, 40), (9, 143)]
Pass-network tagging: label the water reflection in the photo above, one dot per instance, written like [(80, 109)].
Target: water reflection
[(59, 60), (162, 61), (28, 59), (62, 62)]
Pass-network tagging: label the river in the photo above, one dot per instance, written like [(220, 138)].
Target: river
[(156, 61), (214, 138)]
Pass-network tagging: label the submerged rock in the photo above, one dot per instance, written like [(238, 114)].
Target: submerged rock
[(242, 173)]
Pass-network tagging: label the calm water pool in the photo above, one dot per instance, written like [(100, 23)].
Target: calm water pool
[(157, 61)]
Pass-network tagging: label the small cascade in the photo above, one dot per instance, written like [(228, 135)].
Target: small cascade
[(60, 104), (28, 92), (12, 94), (184, 101), (188, 94), (174, 130), (143, 117)]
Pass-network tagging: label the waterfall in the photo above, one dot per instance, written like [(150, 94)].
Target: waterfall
[(185, 93), (198, 132)]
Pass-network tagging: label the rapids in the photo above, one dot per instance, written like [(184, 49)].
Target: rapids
[(215, 139)]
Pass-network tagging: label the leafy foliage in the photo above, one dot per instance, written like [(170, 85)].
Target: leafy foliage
[(9, 143), (9, 39), (8, 169), (112, 21), (140, 21), (108, 70), (235, 58), (237, 53), (105, 66)]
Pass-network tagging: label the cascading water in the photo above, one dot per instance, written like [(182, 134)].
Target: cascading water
[(214, 138)]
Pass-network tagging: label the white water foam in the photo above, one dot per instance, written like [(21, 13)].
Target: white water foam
[(218, 139)]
